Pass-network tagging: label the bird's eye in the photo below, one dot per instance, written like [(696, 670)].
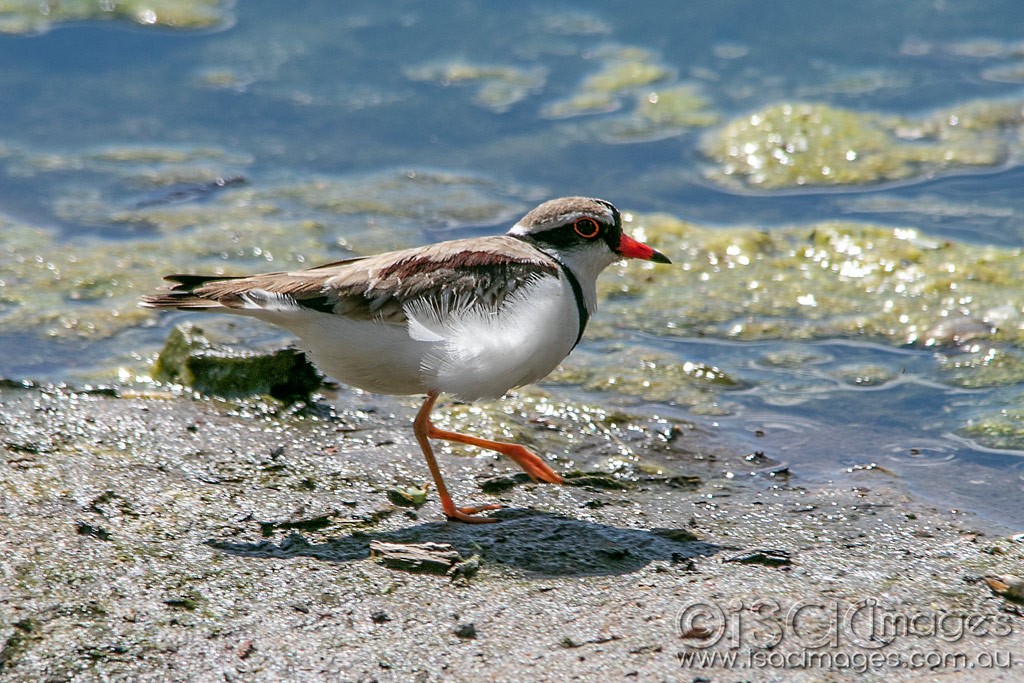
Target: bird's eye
[(586, 228)]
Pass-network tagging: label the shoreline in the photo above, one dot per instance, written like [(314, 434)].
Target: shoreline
[(155, 537)]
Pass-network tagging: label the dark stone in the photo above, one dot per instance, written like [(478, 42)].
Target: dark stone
[(191, 359)]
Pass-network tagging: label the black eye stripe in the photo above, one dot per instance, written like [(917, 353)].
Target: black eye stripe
[(578, 232)]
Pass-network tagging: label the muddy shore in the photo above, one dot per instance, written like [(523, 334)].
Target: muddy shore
[(152, 536)]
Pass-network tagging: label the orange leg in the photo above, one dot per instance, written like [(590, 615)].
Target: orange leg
[(424, 430), (422, 427), (522, 456)]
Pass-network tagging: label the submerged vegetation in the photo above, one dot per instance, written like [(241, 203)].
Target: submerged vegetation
[(34, 16), (801, 144)]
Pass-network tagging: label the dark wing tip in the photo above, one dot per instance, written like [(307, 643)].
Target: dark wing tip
[(179, 300), (184, 281), (182, 294)]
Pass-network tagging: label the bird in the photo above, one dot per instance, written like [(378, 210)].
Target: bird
[(469, 318)]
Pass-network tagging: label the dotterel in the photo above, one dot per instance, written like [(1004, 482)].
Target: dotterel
[(471, 318)]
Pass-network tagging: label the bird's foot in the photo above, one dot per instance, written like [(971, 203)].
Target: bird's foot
[(532, 464), (469, 514)]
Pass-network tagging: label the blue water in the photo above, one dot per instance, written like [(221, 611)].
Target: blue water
[(322, 90)]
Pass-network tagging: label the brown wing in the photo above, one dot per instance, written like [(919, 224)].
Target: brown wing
[(450, 274)]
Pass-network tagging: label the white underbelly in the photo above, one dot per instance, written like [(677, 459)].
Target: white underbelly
[(374, 356), (469, 354)]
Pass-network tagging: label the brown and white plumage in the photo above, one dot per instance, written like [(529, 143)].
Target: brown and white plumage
[(471, 317)]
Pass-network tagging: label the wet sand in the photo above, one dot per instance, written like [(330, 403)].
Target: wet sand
[(157, 537)]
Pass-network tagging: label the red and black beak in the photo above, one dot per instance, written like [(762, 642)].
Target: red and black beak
[(630, 248)]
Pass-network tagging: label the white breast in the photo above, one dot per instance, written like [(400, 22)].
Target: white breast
[(476, 353)]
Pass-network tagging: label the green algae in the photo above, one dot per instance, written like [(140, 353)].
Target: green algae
[(1001, 428), (644, 376), (566, 432), (663, 112), (621, 71), (985, 48), (32, 16), (982, 365), (801, 144), (926, 204), (730, 51), (624, 72), (625, 76), (223, 78), (855, 82), (865, 375), (530, 416), (827, 280), (682, 106), (572, 23), (793, 358), (582, 104), (432, 197), (89, 287), (1005, 73), (498, 87), (408, 496), (140, 166)]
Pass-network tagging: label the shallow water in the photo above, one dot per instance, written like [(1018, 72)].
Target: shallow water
[(822, 426), (373, 126)]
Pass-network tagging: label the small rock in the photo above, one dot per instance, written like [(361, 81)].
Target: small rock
[(465, 570), (466, 631), (769, 557), (503, 482), (757, 457), (1009, 586), (687, 482), (408, 497), (86, 529), (189, 358), (188, 601), (314, 523), (677, 535), (245, 649), (597, 480), (427, 558)]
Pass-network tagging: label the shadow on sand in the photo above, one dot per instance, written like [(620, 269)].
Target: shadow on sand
[(535, 542)]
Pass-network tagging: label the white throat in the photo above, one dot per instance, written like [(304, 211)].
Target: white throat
[(586, 265)]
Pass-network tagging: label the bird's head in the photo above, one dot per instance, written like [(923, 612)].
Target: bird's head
[(583, 233)]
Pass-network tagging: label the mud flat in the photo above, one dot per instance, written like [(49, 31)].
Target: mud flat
[(152, 536)]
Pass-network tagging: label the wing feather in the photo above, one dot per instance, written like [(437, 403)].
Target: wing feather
[(447, 275)]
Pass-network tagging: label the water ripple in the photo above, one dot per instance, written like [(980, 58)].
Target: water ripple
[(921, 452), (793, 430)]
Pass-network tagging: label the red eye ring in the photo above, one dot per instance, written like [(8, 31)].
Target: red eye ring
[(586, 228)]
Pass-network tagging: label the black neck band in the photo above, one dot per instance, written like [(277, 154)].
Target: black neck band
[(577, 290), (581, 303)]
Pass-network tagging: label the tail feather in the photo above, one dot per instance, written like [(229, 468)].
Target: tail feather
[(182, 294)]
